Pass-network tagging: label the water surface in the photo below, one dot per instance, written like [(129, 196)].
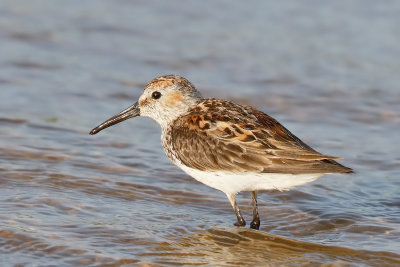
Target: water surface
[(329, 73)]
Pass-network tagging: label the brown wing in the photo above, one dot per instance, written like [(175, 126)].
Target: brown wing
[(243, 139)]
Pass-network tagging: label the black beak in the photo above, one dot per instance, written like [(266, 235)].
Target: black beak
[(128, 113)]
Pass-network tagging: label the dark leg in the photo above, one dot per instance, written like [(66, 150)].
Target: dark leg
[(240, 220), (255, 224)]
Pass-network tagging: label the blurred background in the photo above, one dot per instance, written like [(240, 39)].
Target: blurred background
[(328, 71)]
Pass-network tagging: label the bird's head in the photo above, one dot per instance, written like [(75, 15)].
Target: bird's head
[(164, 99)]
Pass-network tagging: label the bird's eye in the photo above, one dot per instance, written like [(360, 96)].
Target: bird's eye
[(156, 95)]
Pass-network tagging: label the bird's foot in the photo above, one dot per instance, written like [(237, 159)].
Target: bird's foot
[(240, 223), (255, 224)]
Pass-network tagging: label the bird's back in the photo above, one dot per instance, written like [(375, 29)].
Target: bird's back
[(218, 135)]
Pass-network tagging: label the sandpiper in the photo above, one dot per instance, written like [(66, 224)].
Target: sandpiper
[(224, 145)]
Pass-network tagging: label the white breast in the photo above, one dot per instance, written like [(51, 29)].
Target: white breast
[(232, 183)]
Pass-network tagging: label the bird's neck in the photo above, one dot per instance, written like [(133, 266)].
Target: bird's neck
[(167, 118)]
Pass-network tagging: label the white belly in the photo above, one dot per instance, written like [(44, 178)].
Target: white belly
[(232, 183)]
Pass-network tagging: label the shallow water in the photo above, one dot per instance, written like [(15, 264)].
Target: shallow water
[(330, 73)]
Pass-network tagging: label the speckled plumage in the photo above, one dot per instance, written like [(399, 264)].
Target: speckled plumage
[(227, 146), (218, 135)]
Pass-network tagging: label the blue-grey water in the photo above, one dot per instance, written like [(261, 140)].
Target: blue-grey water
[(328, 71)]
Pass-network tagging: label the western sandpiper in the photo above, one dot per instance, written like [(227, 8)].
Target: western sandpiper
[(224, 145)]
